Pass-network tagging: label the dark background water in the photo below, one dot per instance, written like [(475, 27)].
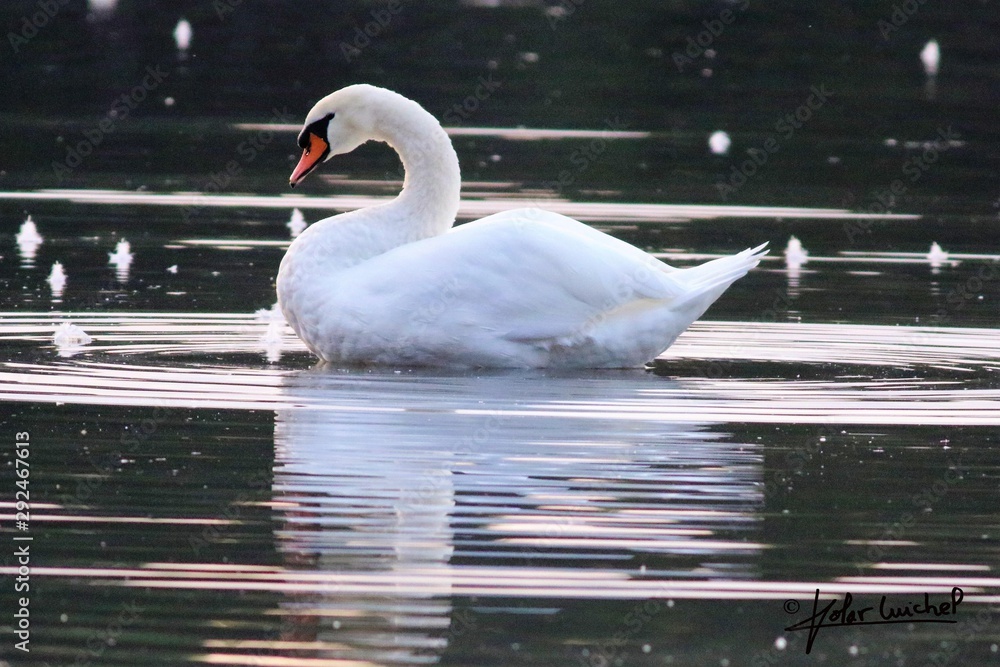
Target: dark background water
[(636, 64)]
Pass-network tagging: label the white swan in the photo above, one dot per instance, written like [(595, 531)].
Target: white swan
[(395, 284)]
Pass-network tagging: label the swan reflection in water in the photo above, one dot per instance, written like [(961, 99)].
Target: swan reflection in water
[(403, 490)]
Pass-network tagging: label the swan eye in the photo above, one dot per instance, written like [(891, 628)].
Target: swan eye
[(317, 127)]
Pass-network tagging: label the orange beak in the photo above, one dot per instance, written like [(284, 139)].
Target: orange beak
[(311, 157)]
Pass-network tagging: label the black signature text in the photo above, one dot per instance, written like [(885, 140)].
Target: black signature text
[(841, 612)]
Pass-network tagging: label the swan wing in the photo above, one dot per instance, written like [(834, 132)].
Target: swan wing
[(505, 286)]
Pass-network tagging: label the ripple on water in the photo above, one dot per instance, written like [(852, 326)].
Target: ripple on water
[(396, 494), (721, 371)]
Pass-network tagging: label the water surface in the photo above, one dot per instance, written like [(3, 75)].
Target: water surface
[(203, 492)]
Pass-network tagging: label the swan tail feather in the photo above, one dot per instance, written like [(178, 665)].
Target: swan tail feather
[(723, 271), (708, 281)]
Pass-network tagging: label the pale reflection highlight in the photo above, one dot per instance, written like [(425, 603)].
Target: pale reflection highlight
[(182, 37), (719, 143), (121, 259), (875, 401), (28, 239), (509, 133), (467, 208), (57, 281), (297, 224)]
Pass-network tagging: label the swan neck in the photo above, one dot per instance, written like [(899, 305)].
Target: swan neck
[(432, 180)]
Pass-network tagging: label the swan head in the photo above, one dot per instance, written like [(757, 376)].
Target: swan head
[(337, 124)]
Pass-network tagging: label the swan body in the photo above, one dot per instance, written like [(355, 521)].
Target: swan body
[(396, 284)]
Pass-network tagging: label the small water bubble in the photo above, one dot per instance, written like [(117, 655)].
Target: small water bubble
[(63, 618), (853, 650), (182, 35), (297, 224), (781, 643), (930, 56), (646, 648), (719, 142)]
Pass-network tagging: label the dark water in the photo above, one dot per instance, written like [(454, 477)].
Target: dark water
[(203, 493)]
